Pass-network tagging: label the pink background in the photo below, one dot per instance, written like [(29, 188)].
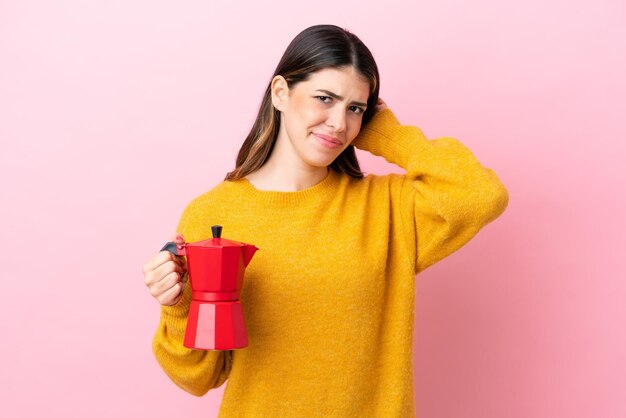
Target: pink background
[(115, 114)]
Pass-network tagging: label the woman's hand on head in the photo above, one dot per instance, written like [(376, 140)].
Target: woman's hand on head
[(381, 105), (165, 275)]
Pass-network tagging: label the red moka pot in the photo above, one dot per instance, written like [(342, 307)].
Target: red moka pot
[(216, 269)]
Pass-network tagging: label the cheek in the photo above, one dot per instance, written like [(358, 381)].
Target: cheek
[(313, 116), (304, 119), (354, 129)]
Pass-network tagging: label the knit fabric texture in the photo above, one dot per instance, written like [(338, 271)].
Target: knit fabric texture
[(328, 300)]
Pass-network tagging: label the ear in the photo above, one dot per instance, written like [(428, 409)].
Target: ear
[(280, 92)]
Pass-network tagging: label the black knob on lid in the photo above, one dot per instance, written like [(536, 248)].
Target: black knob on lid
[(217, 231)]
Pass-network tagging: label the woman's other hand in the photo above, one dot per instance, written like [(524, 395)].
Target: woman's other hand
[(165, 275), (380, 105)]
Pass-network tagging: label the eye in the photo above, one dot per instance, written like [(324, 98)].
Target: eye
[(356, 109), (322, 98)]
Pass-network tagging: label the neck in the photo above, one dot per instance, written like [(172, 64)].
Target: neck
[(284, 179)]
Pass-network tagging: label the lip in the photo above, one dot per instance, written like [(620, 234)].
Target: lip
[(327, 141)]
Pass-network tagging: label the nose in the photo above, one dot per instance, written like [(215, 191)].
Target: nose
[(337, 119)]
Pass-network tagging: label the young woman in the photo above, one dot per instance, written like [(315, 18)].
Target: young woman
[(329, 300)]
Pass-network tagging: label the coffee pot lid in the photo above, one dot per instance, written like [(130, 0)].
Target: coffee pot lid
[(217, 240)]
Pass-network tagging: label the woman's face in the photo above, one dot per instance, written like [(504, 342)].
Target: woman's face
[(322, 115)]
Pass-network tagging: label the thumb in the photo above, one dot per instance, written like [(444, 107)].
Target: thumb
[(178, 238)]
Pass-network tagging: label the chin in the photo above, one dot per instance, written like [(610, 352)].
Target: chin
[(319, 160), (320, 164)]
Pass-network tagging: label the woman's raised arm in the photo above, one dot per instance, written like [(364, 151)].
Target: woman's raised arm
[(446, 196)]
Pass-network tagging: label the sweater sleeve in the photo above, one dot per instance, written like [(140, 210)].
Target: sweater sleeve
[(195, 371), (446, 195)]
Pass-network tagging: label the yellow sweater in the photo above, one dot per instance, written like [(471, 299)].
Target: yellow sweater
[(328, 300)]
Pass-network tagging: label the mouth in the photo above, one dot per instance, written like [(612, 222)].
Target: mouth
[(328, 141)]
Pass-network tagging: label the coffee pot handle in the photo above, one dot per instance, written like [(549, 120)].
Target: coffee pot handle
[(174, 249)]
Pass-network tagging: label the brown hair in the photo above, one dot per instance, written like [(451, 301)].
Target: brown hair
[(313, 49)]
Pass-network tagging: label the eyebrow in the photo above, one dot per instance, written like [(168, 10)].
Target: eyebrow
[(338, 97)]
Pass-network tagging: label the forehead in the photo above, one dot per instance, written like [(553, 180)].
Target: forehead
[(344, 81)]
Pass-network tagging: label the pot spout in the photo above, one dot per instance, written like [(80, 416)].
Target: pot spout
[(248, 252)]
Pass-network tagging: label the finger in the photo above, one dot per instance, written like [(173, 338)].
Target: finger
[(165, 284), (171, 296), (172, 264), (159, 259)]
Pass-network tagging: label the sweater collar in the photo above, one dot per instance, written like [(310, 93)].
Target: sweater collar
[(298, 198)]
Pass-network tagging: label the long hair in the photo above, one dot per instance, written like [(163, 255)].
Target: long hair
[(315, 48)]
